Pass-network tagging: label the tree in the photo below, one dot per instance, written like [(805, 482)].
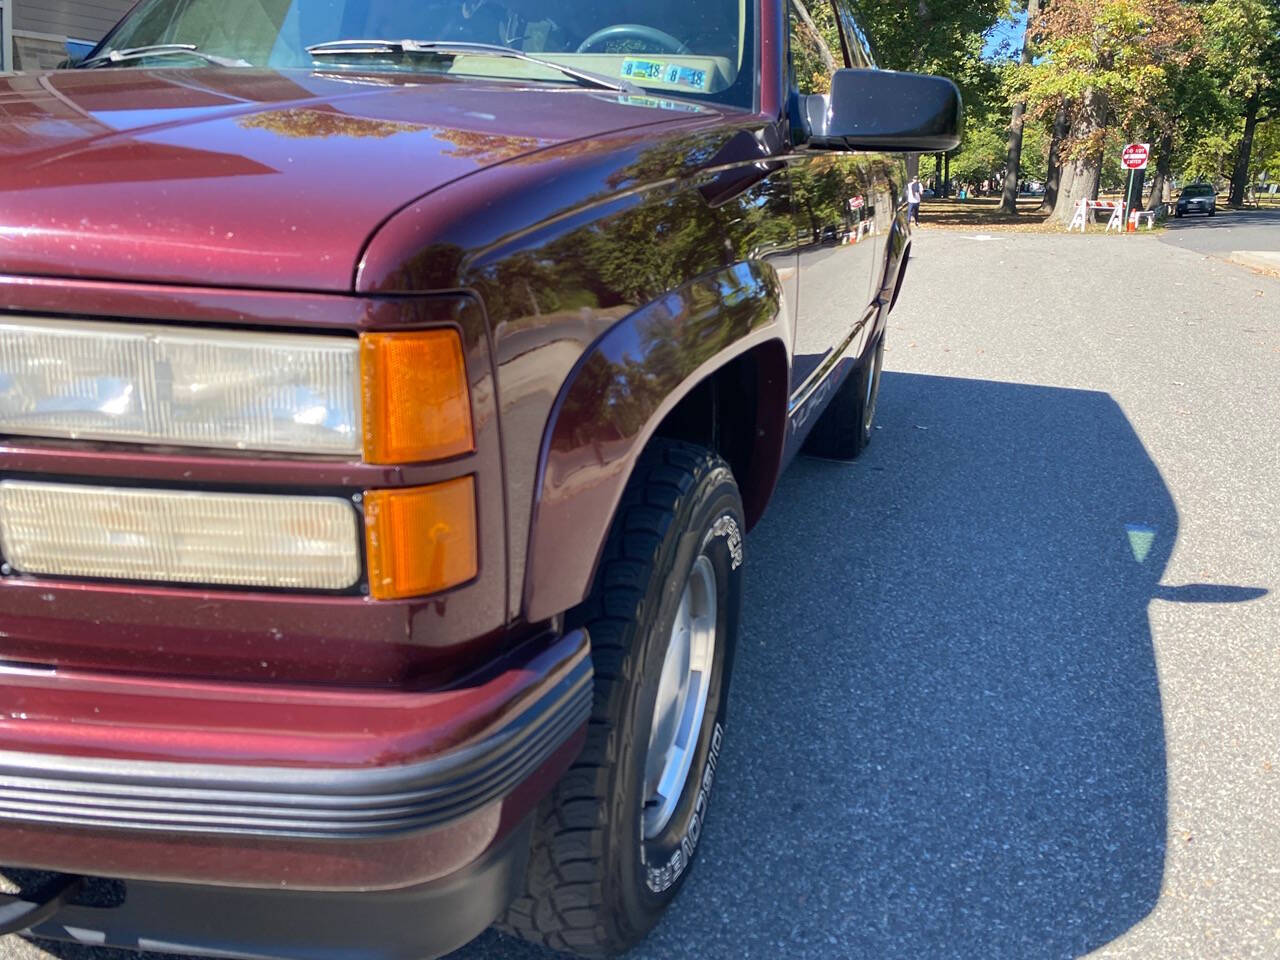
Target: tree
[(1229, 88), (937, 36), (1013, 162), (1254, 29), (1104, 64)]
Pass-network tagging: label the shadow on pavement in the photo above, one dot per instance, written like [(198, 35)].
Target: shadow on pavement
[(946, 736), (1226, 219)]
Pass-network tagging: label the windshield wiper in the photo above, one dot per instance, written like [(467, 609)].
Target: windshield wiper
[(440, 48), (160, 50)]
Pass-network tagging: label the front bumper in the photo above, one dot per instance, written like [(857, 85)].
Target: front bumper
[(417, 785), (426, 920)]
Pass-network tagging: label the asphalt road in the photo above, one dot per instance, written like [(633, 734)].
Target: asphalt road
[(1229, 231), (1009, 686)]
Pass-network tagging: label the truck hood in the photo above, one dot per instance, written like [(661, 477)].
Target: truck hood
[(255, 178)]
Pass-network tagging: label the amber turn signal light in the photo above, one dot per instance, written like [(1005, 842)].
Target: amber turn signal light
[(421, 540), (416, 402)]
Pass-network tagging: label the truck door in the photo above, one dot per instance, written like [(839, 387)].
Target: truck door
[(886, 173), (835, 211)]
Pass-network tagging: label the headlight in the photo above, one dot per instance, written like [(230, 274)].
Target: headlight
[(171, 536), (393, 397), (169, 385)]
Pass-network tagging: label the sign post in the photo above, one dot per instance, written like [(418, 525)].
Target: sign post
[(1134, 158)]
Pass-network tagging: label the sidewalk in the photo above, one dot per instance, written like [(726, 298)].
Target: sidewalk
[(1266, 261)]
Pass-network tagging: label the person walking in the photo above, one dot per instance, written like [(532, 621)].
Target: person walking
[(915, 194)]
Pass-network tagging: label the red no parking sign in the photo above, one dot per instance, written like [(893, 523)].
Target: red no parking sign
[(1135, 156)]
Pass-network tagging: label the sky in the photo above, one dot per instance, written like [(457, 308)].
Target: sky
[(1006, 32)]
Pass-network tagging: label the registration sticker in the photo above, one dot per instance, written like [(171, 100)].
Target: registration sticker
[(686, 77), (643, 69)]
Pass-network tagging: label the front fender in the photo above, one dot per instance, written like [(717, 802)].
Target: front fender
[(618, 394)]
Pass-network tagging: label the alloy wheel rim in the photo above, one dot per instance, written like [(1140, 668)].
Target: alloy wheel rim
[(681, 704)]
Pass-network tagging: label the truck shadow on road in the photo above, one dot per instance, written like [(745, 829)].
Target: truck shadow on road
[(945, 736), (947, 720)]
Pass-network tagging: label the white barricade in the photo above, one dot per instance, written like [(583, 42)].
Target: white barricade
[(1087, 209), (1139, 216)]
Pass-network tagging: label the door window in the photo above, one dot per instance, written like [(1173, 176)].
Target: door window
[(815, 45), (857, 47)]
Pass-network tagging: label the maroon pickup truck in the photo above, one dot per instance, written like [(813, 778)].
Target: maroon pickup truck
[(386, 390)]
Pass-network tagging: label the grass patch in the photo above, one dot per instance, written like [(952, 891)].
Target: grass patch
[(983, 213)]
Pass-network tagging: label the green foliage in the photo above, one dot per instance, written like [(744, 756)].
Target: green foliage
[(1125, 69), (938, 36), (1209, 155), (1240, 72), (1035, 152), (1266, 152), (1240, 47), (984, 151), (1116, 58)]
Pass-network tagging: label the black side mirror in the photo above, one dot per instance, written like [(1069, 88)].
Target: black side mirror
[(884, 110)]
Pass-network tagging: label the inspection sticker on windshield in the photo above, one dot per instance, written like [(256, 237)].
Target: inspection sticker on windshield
[(643, 69), (686, 76)]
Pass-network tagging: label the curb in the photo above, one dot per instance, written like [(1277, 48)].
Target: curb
[(1264, 261)]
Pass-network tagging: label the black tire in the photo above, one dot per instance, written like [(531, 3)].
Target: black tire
[(844, 429), (594, 886), (1213, 211)]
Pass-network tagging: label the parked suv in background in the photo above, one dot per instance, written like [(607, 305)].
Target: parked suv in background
[(1198, 198), (382, 420)]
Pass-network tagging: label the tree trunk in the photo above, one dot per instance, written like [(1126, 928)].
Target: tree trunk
[(1066, 177), (1164, 163), (1013, 168), (1009, 199), (1054, 181), (1240, 178), (1133, 191), (1081, 178)]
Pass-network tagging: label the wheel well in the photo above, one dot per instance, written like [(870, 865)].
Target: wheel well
[(740, 412)]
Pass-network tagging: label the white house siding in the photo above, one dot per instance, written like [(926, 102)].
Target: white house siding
[(41, 26), (82, 19)]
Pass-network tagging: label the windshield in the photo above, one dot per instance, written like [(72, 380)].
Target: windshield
[(1198, 190), (684, 48)]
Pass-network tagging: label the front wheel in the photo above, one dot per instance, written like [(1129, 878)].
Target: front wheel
[(615, 839)]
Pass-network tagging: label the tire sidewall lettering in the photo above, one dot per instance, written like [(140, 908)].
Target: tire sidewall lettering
[(727, 528), (662, 878)]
